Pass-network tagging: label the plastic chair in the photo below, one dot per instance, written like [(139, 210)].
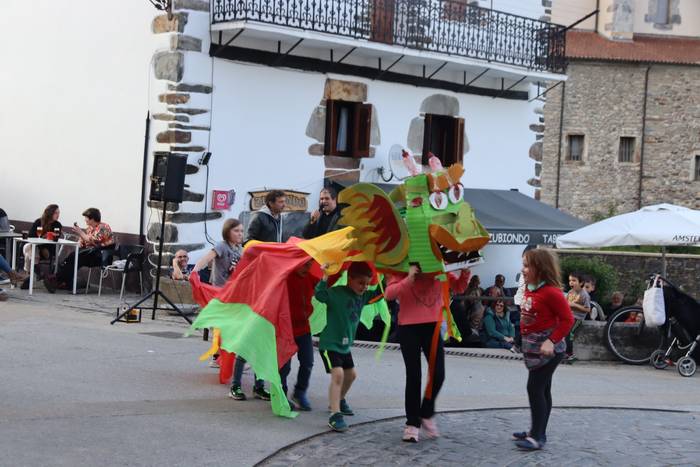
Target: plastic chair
[(106, 259), (134, 256)]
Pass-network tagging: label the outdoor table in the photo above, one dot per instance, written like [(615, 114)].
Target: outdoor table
[(8, 236), (42, 241)]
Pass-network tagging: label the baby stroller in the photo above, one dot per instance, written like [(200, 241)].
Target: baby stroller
[(682, 329)]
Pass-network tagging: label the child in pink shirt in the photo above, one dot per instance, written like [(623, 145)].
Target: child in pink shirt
[(420, 308)]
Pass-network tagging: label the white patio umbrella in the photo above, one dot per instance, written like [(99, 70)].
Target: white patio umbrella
[(658, 225)]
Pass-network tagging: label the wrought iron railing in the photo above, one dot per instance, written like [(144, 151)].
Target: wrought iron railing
[(446, 26)]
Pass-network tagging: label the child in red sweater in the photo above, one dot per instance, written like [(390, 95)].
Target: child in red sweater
[(545, 319)]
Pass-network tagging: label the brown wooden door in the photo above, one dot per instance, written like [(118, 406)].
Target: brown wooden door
[(382, 21)]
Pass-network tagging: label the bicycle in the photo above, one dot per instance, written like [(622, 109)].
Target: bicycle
[(630, 339)]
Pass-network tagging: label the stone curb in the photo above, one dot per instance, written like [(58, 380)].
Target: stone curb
[(462, 352)]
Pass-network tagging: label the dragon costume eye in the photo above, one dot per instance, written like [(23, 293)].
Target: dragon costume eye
[(438, 200), (416, 202), (456, 193)]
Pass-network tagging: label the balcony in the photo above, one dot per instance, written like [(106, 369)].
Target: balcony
[(443, 27)]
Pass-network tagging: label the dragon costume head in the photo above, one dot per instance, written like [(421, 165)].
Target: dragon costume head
[(424, 221)]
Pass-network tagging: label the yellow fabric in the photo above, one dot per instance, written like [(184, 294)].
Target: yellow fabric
[(214, 349), (333, 248)]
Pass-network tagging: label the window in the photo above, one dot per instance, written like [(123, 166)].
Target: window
[(662, 12), (626, 153), (697, 168), (348, 127), (444, 137), (575, 148)]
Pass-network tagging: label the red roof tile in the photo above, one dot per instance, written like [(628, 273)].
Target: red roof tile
[(657, 49)]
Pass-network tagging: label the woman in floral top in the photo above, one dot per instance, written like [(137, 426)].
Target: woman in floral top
[(95, 238)]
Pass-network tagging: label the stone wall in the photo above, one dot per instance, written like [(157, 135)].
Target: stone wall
[(603, 101), (682, 270), (180, 111), (672, 136)]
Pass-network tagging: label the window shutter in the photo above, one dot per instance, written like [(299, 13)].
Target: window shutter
[(363, 129), (458, 141), (331, 139), (427, 132), (662, 12)]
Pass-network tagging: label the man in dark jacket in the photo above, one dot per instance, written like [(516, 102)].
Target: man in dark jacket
[(325, 219), (266, 226)]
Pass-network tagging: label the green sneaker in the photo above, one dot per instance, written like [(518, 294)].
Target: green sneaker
[(345, 409), (337, 423), (237, 393), (261, 393)]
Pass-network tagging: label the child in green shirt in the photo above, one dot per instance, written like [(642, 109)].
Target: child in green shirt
[(344, 304)]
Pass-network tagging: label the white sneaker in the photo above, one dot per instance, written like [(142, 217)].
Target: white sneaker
[(410, 434), (430, 429)]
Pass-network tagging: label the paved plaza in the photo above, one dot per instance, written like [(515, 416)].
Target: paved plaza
[(581, 437), (77, 391)]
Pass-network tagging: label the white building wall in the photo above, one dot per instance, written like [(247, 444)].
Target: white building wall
[(74, 89), (260, 114)]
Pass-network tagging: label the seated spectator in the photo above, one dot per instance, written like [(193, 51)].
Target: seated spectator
[(180, 269), (4, 221), (95, 238), (515, 313), (15, 277), (498, 332), (474, 307), (634, 317), (496, 290), (47, 226), (615, 302)]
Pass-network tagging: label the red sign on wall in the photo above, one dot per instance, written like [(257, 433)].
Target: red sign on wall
[(222, 199)]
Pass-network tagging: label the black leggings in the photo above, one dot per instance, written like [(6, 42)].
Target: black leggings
[(539, 391), (415, 338), (90, 257)]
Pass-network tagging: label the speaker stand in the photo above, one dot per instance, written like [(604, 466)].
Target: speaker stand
[(156, 293)]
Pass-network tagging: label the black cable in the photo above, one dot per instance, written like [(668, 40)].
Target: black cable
[(381, 174), (211, 119), (206, 190)]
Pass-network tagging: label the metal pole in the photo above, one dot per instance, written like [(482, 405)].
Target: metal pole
[(143, 178), (663, 261)]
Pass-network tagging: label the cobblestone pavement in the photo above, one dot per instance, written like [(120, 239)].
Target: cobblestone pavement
[(581, 437)]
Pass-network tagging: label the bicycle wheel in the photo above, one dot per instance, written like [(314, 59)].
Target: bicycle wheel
[(629, 339)]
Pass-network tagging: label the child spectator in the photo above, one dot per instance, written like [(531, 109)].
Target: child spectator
[(580, 303), (225, 256), (589, 283), (344, 304)]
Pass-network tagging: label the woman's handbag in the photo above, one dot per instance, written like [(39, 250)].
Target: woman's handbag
[(531, 348), (653, 305)]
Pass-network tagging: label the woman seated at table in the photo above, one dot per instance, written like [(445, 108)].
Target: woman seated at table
[(95, 238), (47, 226), (498, 331)]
